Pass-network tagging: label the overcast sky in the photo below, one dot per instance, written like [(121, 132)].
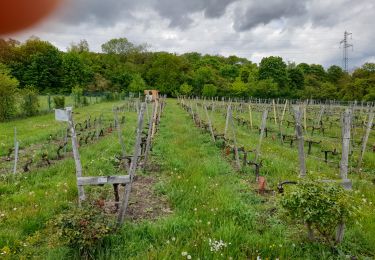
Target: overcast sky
[(297, 30)]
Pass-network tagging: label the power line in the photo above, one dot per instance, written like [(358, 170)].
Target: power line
[(346, 45)]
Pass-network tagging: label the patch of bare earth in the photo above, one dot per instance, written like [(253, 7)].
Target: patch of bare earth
[(144, 202)]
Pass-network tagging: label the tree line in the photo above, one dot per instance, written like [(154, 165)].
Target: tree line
[(122, 66)]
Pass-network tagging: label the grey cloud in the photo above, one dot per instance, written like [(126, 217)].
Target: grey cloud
[(178, 11), (258, 13)]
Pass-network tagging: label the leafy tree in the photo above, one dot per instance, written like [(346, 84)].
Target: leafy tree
[(75, 71), (273, 68), (209, 90), (30, 101), (121, 46), (8, 92), (82, 46), (186, 89), (44, 67), (167, 72), (266, 88), (296, 78), (137, 84), (334, 74), (239, 88)]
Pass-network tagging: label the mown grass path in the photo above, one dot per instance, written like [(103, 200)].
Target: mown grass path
[(210, 202)]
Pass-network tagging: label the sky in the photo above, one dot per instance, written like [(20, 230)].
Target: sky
[(297, 30)]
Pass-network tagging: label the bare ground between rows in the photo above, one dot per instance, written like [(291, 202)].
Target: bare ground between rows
[(144, 202)]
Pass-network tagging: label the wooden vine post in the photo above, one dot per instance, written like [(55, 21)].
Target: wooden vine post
[(133, 166), (250, 117), (274, 111), (365, 138), (299, 135), (16, 150), (149, 134), (262, 129), (346, 125), (238, 164), (227, 120), (119, 133), (209, 124), (77, 158)]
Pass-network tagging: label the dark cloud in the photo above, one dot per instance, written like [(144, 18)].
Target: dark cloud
[(97, 12), (178, 11), (263, 12)]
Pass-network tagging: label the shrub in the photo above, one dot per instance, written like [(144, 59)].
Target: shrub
[(321, 206), (186, 89), (209, 90), (84, 229), (8, 93), (59, 101), (77, 93), (30, 101)]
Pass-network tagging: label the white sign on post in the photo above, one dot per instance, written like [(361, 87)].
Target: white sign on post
[(62, 114)]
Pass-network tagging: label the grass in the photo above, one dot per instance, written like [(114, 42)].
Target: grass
[(209, 199)]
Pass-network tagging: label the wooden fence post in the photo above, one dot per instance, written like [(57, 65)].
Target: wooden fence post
[(346, 125), (119, 133), (301, 154), (16, 149), (133, 165), (149, 134), (209, 124), (77, 158), (263, 126), (250, 117), (365, 138), (238, 164), (227, 120)]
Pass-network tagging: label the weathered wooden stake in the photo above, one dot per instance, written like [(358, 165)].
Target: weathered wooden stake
[(262, 128), (209, 124), (120, 138), (274, 111), (133, 166), (227, 120), (16, 149), (250, 117), (238, 164), (346, 125), (149, 135), (77, 158), (299, 135), (365, 138)]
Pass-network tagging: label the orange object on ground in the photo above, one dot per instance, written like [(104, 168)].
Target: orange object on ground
[(262, 184)]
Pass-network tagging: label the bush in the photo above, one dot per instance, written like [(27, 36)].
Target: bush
[(8, 94), (77, 93), (30, 101), (321, 206), (186, 89), (209, 90), (84, 229), (59, 101)]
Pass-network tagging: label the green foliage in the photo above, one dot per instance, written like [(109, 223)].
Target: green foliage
[(121, 46), (84, 229), (77, 93), (239, 89), (59, 101), (323, 206), (30, 101), (186, 89), (137, 84), (8, 92), (209, 90), (273, 68), (264, 88)]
